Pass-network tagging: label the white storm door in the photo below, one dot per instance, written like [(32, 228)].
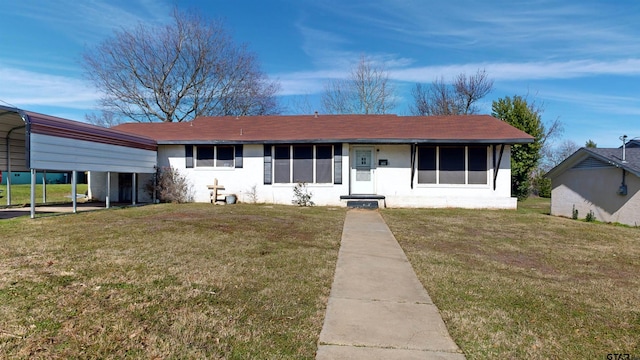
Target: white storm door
[(362, 171)]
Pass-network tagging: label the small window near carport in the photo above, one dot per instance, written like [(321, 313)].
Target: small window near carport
[(205, 156), (224, 157)]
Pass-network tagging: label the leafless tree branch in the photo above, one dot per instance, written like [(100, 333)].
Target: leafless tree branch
[(366, 91), (188, 68)]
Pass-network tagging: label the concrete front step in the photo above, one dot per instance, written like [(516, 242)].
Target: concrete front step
[(364, 201)]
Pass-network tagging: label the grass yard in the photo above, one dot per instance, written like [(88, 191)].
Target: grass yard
[(168, 281), (525, 285), (56, 193)]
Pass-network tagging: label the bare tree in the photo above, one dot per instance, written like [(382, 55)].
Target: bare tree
[(470, 89), (366, 91), (104, 119), (437, 99), (459, 97), (188, 68), (553, 155)]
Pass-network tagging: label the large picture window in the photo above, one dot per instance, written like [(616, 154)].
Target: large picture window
[(215, 156), (303, 163), (452, 165)]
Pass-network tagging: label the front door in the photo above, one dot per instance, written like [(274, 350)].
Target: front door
[(362, 171)]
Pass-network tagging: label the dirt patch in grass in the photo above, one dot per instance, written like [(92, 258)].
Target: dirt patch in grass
[(168, 281), (524, 284)]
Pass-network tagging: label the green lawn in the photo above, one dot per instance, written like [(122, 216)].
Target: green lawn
[(56, 193), (526, 285), (251, 281), (168, 281)]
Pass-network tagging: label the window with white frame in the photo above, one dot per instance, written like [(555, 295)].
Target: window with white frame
[(452, 165), (303, 163), (221, 156)]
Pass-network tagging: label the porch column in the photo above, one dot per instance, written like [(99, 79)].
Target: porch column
[(74, 190), (107, 199), (33, 193)]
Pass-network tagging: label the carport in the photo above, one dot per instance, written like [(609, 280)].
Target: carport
[(31, 142)]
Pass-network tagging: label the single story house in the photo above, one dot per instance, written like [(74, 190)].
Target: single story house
[(602, 180), (399, 161)]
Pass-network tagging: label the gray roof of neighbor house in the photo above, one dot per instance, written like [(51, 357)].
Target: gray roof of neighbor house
[(611, 156), (333, 128)]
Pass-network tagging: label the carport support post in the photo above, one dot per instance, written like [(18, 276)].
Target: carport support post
[(33, 193), (74, 190), (107, 199), (134, 192), (44, 187)]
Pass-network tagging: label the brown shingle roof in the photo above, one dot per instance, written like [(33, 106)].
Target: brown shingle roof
[(332, 128)]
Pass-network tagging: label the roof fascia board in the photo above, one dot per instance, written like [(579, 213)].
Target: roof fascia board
[(352, 141)]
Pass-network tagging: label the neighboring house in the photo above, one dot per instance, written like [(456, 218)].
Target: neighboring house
[(400, 161), (599, 180)]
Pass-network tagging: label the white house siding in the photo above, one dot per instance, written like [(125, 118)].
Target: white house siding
[(583, 188), (393, 181), (240, 181)]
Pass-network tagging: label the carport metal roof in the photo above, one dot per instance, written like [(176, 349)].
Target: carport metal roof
[(19, 128)]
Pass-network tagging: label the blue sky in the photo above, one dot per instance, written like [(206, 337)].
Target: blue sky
[(579, 59)]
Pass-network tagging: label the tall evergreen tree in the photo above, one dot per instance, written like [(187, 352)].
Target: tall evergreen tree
[(524, 157)]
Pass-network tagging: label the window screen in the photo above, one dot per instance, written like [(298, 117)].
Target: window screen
[(224, 156), (281, 166), (303, 163), (427, 165), (452, 165), (205, 156), (323, 163), (477, 164)]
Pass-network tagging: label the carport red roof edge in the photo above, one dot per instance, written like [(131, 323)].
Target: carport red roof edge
[(55, 126)]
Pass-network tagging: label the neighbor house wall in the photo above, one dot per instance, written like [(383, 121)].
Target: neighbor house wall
[(596, 190)]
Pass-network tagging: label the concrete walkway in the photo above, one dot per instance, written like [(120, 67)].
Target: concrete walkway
[(378, 308)]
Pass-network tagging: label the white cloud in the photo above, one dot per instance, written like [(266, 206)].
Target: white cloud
[(509, 71), (311, 81), (88, 21), (25, 89)]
